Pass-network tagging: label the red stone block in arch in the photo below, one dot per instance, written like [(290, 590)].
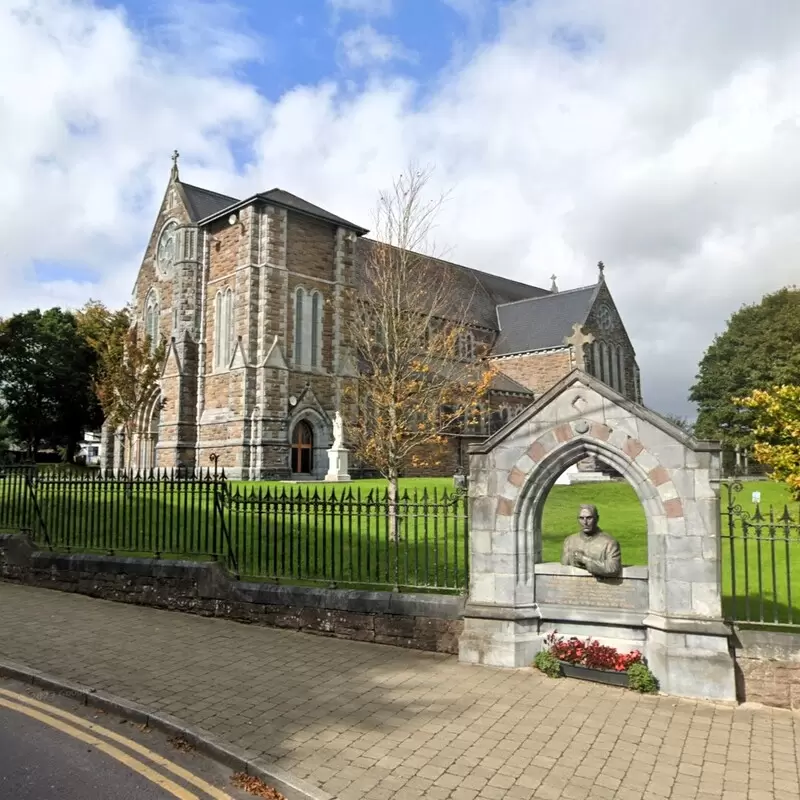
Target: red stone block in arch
[(516, 477), (673, 508), (632, 447), (658, 475), (600, 431), (563, 433), (505, 507), (537, 451)]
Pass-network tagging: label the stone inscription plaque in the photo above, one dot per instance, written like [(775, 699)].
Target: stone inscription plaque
[(625, 593)]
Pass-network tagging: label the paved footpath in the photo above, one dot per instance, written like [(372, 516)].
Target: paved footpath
[(372, 721)]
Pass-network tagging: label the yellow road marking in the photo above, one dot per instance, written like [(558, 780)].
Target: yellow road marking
[(105, 747), (189, 777)]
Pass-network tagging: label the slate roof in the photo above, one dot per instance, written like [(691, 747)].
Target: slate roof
[(478, 291), (542, 322), (202, 203), (502, 383), (528, 318), (283, 198), (210, 205)]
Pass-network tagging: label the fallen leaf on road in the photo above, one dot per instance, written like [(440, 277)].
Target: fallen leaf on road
[(253, 785), (179, 743)]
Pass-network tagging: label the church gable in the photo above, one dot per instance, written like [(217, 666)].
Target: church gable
[(156, 274), (610, 355), (542, 323), (604, 319)]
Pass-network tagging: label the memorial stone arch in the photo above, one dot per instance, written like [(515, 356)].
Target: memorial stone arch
[(671, 609)]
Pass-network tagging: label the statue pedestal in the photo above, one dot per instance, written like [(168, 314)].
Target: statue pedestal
[(338, 465)]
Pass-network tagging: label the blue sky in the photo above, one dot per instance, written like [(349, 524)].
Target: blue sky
[(658, 136), (300, 41)]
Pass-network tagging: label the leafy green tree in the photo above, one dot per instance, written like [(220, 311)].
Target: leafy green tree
[(5, 436), (760, 348), (45, 380)]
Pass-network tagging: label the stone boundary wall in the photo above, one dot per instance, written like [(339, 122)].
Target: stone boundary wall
[(768, 668), (419, 621)]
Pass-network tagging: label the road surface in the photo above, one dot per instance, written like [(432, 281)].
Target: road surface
[(52, 747)]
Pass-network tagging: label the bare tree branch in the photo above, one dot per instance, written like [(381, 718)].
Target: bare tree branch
[(421, 369)]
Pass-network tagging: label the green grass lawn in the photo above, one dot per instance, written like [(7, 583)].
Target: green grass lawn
[(307, 533), (332, 534)]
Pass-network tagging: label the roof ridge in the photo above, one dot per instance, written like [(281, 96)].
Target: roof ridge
[(208, 191), (549, 295), (472, 270), (515, 382)]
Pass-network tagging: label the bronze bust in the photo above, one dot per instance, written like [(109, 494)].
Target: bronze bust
[(592, 549)]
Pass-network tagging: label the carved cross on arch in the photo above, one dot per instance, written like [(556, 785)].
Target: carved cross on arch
[(579, 339)]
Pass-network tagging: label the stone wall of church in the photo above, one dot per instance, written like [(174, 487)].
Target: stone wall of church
[(537, 371), (176, 292), (246, 415)]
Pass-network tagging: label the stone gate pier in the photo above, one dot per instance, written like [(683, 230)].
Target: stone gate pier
[(671, 609)]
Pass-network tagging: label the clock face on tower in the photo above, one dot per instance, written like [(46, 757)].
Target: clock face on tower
[(605, 318), (167, 245)]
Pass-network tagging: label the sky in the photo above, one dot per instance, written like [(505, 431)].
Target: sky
[(662, 138)]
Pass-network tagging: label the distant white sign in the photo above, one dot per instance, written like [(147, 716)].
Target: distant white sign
[(756, 497)]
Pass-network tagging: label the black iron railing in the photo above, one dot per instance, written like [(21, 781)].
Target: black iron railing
[(761, 558), (322, 535)]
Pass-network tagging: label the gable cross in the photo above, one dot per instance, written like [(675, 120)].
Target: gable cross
[(175, 156), (579, 339)]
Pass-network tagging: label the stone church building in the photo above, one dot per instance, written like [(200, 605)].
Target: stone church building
[(248, 295)]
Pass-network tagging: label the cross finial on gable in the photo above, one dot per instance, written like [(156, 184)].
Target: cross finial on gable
[(602, 268), (553, 285), (175, 156), (579, 339)]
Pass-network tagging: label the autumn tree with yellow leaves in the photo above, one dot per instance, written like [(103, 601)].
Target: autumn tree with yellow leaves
[(776, 431), (417, 379), (127, 369)]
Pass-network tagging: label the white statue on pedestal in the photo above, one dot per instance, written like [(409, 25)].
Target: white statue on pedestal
[(338, 454), (338, 428)]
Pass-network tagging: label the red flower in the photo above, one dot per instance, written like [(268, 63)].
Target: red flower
[(590, 653)]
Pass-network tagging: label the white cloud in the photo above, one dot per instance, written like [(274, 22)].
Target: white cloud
[(365, 47), (373, 8), (86, 129), (660, 137)]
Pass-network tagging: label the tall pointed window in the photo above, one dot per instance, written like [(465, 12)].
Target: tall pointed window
[(466, 345), (606, 368), (597, 366), (614, 367), (223, 329), (308, 319), (316, 326), (152, 312), (299, 302)]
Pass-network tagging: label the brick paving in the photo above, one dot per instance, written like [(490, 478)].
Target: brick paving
[(372, 721)]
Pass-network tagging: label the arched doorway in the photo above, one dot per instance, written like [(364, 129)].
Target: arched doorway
[(302, 448), (146, 436)]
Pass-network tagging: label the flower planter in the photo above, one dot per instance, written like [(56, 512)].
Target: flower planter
[(607, 676)]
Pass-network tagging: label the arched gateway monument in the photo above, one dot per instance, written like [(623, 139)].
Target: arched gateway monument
[(671, 609)]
